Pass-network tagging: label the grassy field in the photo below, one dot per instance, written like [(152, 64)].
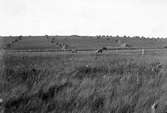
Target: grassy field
[(117, 81), (82, 83), (77, 42)]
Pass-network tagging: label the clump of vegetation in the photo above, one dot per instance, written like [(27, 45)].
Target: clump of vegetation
[(109, 84)]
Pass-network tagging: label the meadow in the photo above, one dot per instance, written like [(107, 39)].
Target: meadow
[(82, 83), (77, 42)]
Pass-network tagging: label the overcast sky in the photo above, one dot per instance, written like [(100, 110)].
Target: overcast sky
[(84, 17)]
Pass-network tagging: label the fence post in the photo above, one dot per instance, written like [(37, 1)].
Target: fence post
[(142, 52)]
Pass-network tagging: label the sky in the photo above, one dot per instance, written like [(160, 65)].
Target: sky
[(84, 17)]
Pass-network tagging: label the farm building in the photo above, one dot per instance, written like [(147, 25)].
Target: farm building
[(125, 45)]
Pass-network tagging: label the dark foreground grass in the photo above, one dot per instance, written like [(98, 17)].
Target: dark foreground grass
[(80, 84)]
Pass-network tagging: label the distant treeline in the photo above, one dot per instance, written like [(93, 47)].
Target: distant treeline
[(97, 36)]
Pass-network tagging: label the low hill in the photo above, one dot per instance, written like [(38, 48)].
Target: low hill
[(78, 42)]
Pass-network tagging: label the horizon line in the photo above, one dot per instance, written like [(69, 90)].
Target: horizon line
[(127, 36)]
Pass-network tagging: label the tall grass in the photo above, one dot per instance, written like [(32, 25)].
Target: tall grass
[(80, 84)]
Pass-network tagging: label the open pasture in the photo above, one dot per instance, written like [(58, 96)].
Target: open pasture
[(160, 54), (77, 42), (41, 74)]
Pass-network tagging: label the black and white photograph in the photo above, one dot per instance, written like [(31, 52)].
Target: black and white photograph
[(83, 56)]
